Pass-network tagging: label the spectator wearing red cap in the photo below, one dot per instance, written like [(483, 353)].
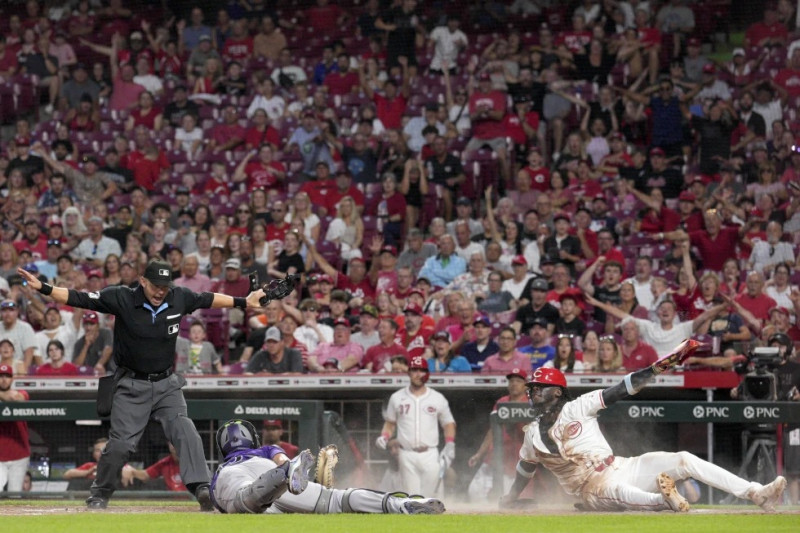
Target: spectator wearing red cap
[(271, 435), (348, 354), (14, 448), (378, 357), (694, 60), (691, 218), (94, 348), (516, 284), (487, 109), (382, 272), (413, 335)]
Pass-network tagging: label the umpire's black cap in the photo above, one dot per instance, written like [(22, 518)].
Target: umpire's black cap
[(159, 273)]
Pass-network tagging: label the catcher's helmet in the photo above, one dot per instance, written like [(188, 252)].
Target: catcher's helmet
[(548, 376), (784, 340), (236, 435)]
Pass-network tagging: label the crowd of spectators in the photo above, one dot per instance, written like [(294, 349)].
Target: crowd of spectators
[(504, 186)]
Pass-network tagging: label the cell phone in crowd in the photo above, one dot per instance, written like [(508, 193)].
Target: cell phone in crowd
[(254, 286)]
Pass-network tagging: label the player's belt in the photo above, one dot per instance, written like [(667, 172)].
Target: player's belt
[(158, 376), (605, 464), (418, 449)]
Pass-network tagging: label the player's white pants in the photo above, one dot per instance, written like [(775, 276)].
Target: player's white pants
[(315, 499), (419, 471), (631, 482), (482, 484), (13, 472)]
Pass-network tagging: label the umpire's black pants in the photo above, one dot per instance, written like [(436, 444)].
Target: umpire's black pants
[(135, 402)]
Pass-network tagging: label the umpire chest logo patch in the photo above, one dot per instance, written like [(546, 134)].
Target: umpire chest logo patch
[(573, 430), (173, 329)]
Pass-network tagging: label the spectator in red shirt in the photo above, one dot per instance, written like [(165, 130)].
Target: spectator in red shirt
[(413, 336), (325, 18), (344, 187), (753, 298), (271, 436), (487, 110), (636, 354), (15, 451), (715, 243), (318, 188), (391, 105), (767, 33), (56, 365), (522, 125), (230, 134), (146, 114), (536, 171), (33, 240), (343, 81), (789, 78), (148, 163), (125, 94), (8, 60), (576, 39), (261, 132), (239, 45), (167, 468), (265, 172), (378, 358)]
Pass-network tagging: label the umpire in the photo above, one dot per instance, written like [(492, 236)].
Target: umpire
[(145, 330)]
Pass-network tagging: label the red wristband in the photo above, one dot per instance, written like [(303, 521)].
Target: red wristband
[(449, 439), (386, 436)]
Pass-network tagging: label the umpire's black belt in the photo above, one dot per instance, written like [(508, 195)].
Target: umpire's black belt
[(149, 377)]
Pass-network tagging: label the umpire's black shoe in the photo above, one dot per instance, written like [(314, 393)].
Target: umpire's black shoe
[(204, 499), (96, 503)]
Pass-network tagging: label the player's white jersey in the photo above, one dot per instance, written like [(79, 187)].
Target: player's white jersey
[(582, 448), (418, 417)]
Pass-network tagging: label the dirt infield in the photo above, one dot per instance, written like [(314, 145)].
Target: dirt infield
[(56, 507)]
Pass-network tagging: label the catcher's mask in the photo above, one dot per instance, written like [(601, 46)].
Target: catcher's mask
[(235, 435), (784, 340), (550, 377), (420, 363)]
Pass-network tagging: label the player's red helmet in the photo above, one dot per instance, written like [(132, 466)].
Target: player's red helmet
[(548, 376), (419, 363)]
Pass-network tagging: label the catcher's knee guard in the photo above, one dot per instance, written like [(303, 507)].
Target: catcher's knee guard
[(256, 497)]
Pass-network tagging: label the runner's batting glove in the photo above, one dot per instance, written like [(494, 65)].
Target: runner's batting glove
[(677, 357), (448, 454), (382, 441)]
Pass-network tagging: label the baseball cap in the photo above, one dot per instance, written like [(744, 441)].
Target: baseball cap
[(686, 196), (780, 309), (759, 146), (370, 310), (463, 201), (519, 260), (6, 370), (569, 294), (548, 259), (560, 216), (186, 211), (137, 35), (413, 308), (540, 284), (95, 273), (423, 279), (273, 423), (55, 221), (183, 189), (539, 321), (484, 76), (341, 321), (517, 373), (204, 37), (90, 317), (709, 68), (482, 320), (693, 41), (657, 152), (89, 159), (738, 52), (233, 263), (354, 260), (339, 296), (324, 278), (617, 136), (417, 292), (159, 273), (441, 336), (8, 304), (600, 196), (389, 249), (273, 334), (31, 267)]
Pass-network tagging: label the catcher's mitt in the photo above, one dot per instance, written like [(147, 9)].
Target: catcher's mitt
[(326, 462), (278, 289)]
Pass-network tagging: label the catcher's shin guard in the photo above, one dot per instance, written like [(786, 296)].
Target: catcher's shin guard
[(256, 497)]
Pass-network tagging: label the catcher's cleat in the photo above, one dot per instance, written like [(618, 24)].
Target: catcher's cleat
[(672, 498), (278, 289), (300, 472), (327, 458), (423, 506), (768, 496)]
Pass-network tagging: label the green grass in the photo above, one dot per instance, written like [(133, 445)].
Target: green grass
[(73, 519)]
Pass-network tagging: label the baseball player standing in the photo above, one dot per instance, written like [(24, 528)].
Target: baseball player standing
[(262, 479), (416, 412), (15, 451), (565, 438), (145, 331)]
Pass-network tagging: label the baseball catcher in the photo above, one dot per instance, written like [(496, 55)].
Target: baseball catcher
[(261, 479), (565, 438)]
